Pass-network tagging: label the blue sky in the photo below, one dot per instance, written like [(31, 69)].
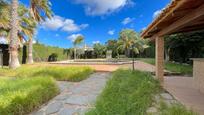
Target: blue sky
[(96, 20)]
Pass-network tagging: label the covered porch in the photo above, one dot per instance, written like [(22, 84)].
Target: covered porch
[(178, 17)]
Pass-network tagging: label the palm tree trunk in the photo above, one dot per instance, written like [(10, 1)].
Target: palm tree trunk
[(30, 51), (14, 62), (127, 53), (75, 53)]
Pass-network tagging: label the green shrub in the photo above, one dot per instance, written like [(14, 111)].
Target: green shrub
[(42, 52), (61, 73), (126, 93), (20, 96), (74, 74)]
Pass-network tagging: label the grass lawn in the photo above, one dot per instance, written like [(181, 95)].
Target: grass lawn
[(20, 96), (179, 68), (28, 87), (175, 110), (60, 73), (130, 93)]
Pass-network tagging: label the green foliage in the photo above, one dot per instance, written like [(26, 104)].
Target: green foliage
[(28, 87), (180, 68), (40, 9), (174, 67), (148, 60), (126, 93), (4, 16), (129, 40), (61, 73), (131, 93), (53, 57), (99, 50), (78, 40), (176, 109), (181, 47), (42, 52), (149, 52), (20, 96), (112, 45)]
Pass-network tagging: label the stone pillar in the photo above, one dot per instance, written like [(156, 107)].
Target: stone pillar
[(160, 59), (198, 73)]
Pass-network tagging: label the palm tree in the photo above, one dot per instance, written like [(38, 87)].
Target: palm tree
[(4, 19), (126, 40), (13, 48), (29, 30), (36, 9), (4, 16), (76, 42), (130, 40)]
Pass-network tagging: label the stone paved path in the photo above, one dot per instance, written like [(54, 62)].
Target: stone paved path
[(75, 98)]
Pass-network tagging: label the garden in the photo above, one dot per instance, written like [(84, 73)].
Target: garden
[(132, 93), (37, 78), (127, 92), (27, 88)]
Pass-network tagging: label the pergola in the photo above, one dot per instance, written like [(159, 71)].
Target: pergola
[(179, 16)]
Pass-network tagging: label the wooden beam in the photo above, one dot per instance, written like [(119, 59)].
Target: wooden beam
[(160, 19), (179, 24)]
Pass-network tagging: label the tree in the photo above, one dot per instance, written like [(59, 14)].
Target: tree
[(4, 19), (29, 30), (76, 42), (99, 50), (126, 39), (4, 16), (13, 48), (112, 45), (38, 10), (131, 41), (37, 7), (181, 47)]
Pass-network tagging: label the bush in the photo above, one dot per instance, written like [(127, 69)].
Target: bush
[(52, 57), (20, 96)]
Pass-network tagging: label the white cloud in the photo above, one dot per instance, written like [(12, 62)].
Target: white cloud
[(73, 37), (127, 20), (96, 42), (111, 32), (53, 24), (83, 26), (157, 13), (67, 25), (102, 7), (70, 26)]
